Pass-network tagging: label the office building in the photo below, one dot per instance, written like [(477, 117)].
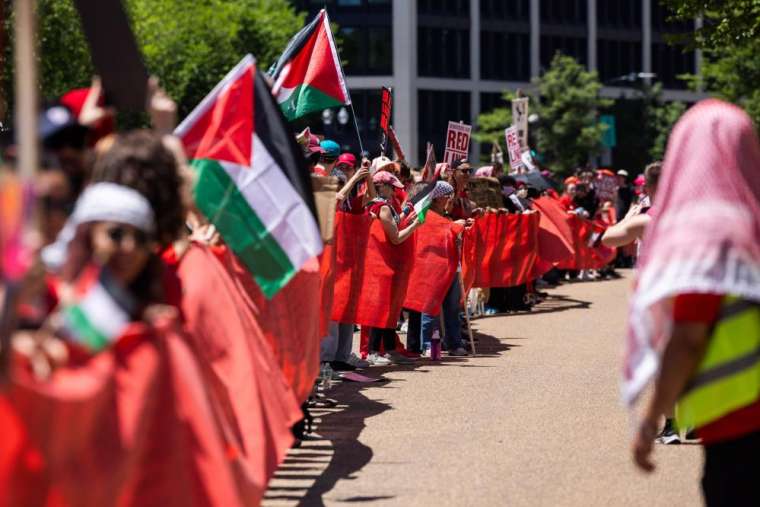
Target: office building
[(452, 59)]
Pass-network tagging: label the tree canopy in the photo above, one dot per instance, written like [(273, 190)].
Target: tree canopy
[(189, 45), (730, 41), (566, 101)]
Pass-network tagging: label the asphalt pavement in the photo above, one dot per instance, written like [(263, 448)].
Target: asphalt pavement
[(534, 419)]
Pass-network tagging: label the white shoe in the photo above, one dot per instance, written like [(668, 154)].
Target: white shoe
[(356, 361), (377, 360)]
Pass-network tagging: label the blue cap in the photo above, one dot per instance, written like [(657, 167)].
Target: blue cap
[(331, 148)]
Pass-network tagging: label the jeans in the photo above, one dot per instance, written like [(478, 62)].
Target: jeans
[(336, 346), (453, 328)]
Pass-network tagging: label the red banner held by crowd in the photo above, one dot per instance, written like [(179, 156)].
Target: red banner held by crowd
[(555, 237), (371, 274), (587, 255), (436, 258), (509, 249)]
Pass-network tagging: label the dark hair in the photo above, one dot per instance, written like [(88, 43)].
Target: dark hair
[(417, 188), (652, 174), (140, 160), (507, 181)]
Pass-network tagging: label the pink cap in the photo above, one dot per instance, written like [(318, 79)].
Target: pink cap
[(314, 146), (347, 159), (386, 177)]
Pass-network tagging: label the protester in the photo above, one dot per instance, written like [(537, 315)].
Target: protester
[(384, 209), (440, 195), (624, 194), (461, 207), (632, 226), (694, 318), (328, 159), (351, 198)]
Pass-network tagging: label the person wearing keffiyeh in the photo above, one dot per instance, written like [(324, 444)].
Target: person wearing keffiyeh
[(694, 321)]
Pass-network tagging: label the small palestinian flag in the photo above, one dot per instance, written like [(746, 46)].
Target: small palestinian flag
[(423, 200), (101, 313), (308, 76), (252, 184)]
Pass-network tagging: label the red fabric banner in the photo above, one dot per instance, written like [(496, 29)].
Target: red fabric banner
[(555, 237), (290, 321), (327, 285), (510, 248), (134, 425), (436, 258), (586, 255), (258, 404), (472, 247), (371, 274)]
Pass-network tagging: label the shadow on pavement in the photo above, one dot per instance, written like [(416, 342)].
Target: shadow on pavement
[(312, 470)]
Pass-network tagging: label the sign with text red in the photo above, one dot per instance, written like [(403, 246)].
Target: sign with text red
[(385, 109), (457, 142), (513, 147)]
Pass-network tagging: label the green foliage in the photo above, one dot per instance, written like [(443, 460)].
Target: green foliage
[(567, 132), (664, 116), (726, 23), (730, 40), (190, 45)]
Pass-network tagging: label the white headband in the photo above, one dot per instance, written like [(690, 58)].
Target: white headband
[(101, 202)]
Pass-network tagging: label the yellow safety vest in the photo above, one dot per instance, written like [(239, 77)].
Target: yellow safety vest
[(729, 376)]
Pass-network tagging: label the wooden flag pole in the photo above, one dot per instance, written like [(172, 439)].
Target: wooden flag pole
[(25, 115)]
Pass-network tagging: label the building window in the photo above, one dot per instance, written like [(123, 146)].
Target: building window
[(616, 58), (435, 110), (564, 12), (444, 7), (504, 56), (508, 10), (662, 24), (624, 14), (570, 46), (668, 62), (366, 50), (443, 52)]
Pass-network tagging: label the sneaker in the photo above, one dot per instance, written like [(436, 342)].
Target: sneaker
[(398, 358), (342, 366), (668, 435), (459, 352), (404, 327), (356, 361), (376, 359)]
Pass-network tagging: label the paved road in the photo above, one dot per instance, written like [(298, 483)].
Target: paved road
[(534, 420)]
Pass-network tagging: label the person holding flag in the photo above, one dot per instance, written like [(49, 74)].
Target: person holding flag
[(383, 209)]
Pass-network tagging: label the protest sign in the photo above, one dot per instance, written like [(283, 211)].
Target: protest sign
[(513, 147), (520, 119), (115, 54), (527, 160), (457, 142), (385, 109)]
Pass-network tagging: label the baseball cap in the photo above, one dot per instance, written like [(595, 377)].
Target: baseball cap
[(330, 148), (347, 159), (622, 172), (58, 126), (386, 177), (314, 145)]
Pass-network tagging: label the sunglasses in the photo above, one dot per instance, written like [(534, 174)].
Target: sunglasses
[(118, 234), (465, 171)]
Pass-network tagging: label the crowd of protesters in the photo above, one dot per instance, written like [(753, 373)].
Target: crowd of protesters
[(116, 211)]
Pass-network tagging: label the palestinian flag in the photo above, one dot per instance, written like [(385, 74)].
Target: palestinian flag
[(423, 200), (101, 313), (252, 182), (308, 76)]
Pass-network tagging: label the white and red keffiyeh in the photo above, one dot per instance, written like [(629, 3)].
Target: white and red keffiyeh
[(705, 231)]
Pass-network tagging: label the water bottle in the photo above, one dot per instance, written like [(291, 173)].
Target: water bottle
[(435, 346)]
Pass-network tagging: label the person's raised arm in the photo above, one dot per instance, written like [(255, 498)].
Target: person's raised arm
[(391, 229), (626, 231), (353, 181)]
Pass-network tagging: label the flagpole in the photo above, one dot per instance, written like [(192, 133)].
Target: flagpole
[(356, 124)]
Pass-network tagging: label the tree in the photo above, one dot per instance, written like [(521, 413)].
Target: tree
[(729, 39), (567, 132), (189, 45)]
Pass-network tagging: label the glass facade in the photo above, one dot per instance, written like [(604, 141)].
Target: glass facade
[(365, 33), (505, 40), (435, 110), (564, 30), (443, 38), (668, 60)]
